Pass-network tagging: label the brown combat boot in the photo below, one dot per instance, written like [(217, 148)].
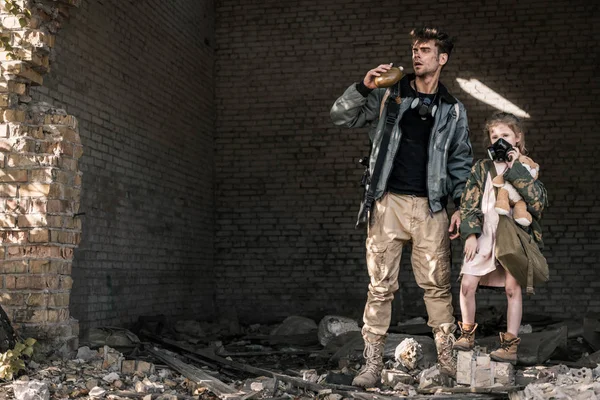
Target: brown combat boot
[(444, 341), (370, 373), (508, 348), (466, 341)]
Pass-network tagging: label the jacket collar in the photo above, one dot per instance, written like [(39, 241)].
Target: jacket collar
[(407, 91)]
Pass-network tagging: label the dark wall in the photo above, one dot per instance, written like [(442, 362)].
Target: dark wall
[(287, 180), (139, 78)]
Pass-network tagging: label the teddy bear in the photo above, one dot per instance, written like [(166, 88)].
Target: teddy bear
[(508, 195)]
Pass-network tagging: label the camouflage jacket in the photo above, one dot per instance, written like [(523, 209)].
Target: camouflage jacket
[(530, 189)]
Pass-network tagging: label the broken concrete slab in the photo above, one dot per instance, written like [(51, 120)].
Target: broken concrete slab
[(432, 377), (331, 326), (295, 325), (476, 369), (33, 389), (391, 378)]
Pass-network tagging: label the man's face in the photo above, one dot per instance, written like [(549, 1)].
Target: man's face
[(426, 59)]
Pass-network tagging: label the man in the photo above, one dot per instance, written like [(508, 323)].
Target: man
[(428, 158)]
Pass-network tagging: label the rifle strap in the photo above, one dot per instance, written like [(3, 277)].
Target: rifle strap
[(391, 97)]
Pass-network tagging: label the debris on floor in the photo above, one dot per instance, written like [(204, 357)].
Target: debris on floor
[(302, 359)]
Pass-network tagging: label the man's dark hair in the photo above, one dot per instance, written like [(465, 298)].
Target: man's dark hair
[(425, 34)]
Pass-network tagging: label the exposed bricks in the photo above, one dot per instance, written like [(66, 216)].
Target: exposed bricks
[(39, 165), (144, 108)]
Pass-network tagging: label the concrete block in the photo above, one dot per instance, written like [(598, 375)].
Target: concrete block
[(391, 377)]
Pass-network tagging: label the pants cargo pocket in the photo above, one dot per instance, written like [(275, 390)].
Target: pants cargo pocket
[(376, 262)]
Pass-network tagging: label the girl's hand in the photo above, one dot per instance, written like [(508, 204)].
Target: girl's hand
[(513, 155), (471, 247)]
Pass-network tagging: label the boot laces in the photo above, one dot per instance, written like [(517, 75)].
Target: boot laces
[(373, 354), (447, 341)]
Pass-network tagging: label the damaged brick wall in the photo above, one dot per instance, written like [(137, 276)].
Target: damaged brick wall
[(40, 181), (288, 181), (139, 78)]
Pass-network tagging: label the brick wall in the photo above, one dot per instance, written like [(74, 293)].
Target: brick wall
[(286, 178), (138, 77)]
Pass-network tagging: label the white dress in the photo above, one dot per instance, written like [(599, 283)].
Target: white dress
[(484, 264)]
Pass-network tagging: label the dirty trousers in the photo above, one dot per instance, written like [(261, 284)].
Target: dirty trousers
[(396, 220)]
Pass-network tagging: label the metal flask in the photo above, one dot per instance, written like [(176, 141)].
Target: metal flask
[(389, 78)]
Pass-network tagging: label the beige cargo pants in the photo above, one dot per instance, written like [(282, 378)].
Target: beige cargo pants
[(399, 219)]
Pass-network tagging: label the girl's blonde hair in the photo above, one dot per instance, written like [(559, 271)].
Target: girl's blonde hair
[(510, 120)]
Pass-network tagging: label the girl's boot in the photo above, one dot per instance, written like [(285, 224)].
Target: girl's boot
[(508, 348), (466, 341)]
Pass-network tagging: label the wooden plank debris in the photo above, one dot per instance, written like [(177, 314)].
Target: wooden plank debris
[(221, 389)]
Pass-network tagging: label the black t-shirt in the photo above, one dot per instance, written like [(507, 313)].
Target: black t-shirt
[(409, 174)]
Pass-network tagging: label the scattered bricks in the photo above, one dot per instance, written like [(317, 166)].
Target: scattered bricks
[(391, 378), (13, 267), (128, 367), (8, 190), (2, 160), (465, 364), (13, 116), (18, 175), (39, 235), (144, 367), (32, 220), (504, 373)]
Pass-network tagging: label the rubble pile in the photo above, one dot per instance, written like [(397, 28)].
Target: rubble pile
[(200, 360)]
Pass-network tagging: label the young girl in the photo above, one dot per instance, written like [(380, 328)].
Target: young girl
[(479, 221)]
